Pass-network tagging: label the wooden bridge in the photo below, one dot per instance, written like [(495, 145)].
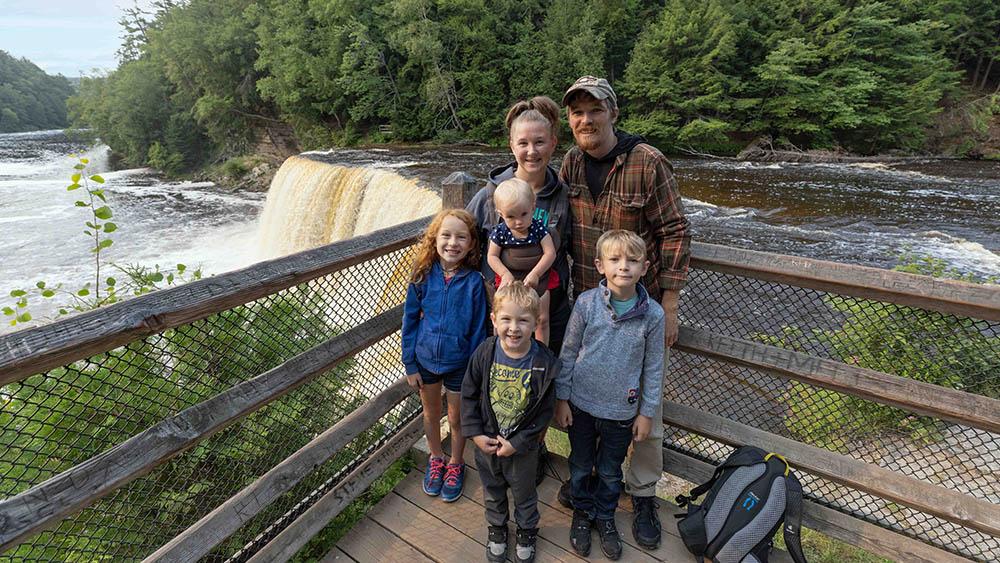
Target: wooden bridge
[(234, 417)]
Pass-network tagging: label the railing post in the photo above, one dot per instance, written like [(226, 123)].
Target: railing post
[(457, 189)]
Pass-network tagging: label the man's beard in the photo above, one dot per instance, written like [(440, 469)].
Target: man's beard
[(589, 141)]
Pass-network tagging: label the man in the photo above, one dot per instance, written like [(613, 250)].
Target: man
[(617, 181)]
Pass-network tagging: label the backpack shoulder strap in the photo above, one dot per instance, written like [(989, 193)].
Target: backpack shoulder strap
[(746, 455), (793, 519)]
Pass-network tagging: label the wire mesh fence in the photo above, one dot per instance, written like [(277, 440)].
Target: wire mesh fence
[(55, 420), (954, 352)]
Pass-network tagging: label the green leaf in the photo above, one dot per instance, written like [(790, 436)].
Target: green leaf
[(48, 293), (170, 278), (84, 160), (103, 212), (83, 292), (100, 194), (22, 303), (111, 281), (76, 178), (81, 203), (181, 268), (91, 225), (18, 293), (156, 277), (110, 227), (8, 311), (72, 187), (88, 233), (63, 312), (97, 178), (24, 317), (40, 285), (79, 167)]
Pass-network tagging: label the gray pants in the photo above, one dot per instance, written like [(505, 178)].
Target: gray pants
[(645, 465), (516, 473)]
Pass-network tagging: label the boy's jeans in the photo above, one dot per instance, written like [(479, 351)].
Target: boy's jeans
[(602, 444)]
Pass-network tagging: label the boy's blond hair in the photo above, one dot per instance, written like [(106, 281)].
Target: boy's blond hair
[(620, 239), (518, 294), (513, 191)]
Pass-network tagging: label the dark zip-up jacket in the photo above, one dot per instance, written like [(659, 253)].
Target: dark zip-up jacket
[(443, 322), (478, 417)]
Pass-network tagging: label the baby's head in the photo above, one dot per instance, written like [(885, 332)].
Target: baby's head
[(514, 316), (621, 258), (515, 203)]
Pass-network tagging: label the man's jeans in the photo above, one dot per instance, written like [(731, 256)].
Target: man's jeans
[(601, 444)]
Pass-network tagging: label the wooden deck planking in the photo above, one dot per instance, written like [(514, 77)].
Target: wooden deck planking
[(409, 525)]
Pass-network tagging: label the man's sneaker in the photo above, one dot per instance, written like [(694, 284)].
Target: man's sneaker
[(543, 458), (565, 495), (454, 479), (611, 542), (524, 550), (646, 525), (579, 533), (434, 476), (496, 544)]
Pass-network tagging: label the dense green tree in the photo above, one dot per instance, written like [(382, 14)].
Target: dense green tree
[(30, 99)]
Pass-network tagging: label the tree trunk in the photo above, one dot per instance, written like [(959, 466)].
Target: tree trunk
[(986, 74)]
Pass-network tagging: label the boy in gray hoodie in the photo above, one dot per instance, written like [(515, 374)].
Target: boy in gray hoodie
[(608, 391)]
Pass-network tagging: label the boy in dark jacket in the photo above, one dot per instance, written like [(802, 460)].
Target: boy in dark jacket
[(508, 398)]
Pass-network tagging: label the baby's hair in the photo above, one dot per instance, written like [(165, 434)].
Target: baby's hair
[(426, 253), (620, 239), (513, 191), (540, 109), (518, 294)]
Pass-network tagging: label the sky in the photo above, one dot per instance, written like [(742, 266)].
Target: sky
[(63, 36)]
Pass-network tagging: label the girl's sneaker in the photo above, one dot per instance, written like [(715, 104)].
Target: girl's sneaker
[(454, 479), (434, 476)]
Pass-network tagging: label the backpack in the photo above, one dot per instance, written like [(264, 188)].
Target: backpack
[(749, 496)]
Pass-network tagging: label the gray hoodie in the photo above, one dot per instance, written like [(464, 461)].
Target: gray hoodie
[(613, 365)]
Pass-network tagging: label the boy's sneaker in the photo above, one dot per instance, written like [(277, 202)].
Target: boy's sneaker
[(434, 476), (611, 542), (496, 544), (454, 479), (646, 525), (579, 533), (524, 550)]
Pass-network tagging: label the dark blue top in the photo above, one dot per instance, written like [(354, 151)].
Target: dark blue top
[(504, 238), (443, 322)]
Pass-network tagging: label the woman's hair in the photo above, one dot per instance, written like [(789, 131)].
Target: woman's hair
[(540, 109), (426, 253), (518, 294), (513, 191)]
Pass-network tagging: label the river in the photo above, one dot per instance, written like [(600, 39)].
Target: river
[(865, 214)]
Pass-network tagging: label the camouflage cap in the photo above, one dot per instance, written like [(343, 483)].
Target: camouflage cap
[(599, 88)]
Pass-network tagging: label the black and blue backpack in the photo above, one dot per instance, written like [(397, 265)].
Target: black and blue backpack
[(748, 497)]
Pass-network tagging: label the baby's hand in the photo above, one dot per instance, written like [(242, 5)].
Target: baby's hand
[(506, 449), (506, 280), (564, 416), (486, 444), (531, 280)]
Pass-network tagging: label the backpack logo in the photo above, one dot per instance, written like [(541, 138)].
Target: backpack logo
[(750, 502)]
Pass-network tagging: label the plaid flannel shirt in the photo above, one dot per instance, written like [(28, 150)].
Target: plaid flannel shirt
[(639, 195)]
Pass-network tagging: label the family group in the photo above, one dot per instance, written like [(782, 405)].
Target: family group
[(578, 270)]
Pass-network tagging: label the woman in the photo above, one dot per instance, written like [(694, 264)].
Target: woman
[(533, 126)]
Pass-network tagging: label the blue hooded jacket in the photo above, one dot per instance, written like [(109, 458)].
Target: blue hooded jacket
[(443, 323)]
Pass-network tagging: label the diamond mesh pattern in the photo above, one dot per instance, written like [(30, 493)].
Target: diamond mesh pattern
[(946, 350), (52, 421)]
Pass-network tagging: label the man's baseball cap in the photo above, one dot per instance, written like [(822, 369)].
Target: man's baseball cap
[(599, 88)]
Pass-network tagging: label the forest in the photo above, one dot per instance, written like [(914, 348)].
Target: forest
[(203, 80), (30, 99)]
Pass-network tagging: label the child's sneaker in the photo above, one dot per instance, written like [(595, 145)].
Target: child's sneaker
[(524, 550), (454, 479), (496, 544), (434, 476), (611, 542)]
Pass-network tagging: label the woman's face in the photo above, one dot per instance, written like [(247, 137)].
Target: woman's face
[(532, 144)]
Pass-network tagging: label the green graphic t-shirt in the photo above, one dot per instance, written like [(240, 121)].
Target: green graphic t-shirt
[(510, 386)]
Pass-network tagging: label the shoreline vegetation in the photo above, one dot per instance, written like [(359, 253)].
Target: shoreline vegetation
[(203, 82)]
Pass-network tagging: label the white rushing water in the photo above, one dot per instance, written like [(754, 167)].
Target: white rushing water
[(160, 222)]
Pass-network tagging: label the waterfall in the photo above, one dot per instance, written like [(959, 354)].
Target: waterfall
[(312, 203)]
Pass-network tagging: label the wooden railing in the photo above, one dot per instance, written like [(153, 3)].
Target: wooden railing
[(47, 503)]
